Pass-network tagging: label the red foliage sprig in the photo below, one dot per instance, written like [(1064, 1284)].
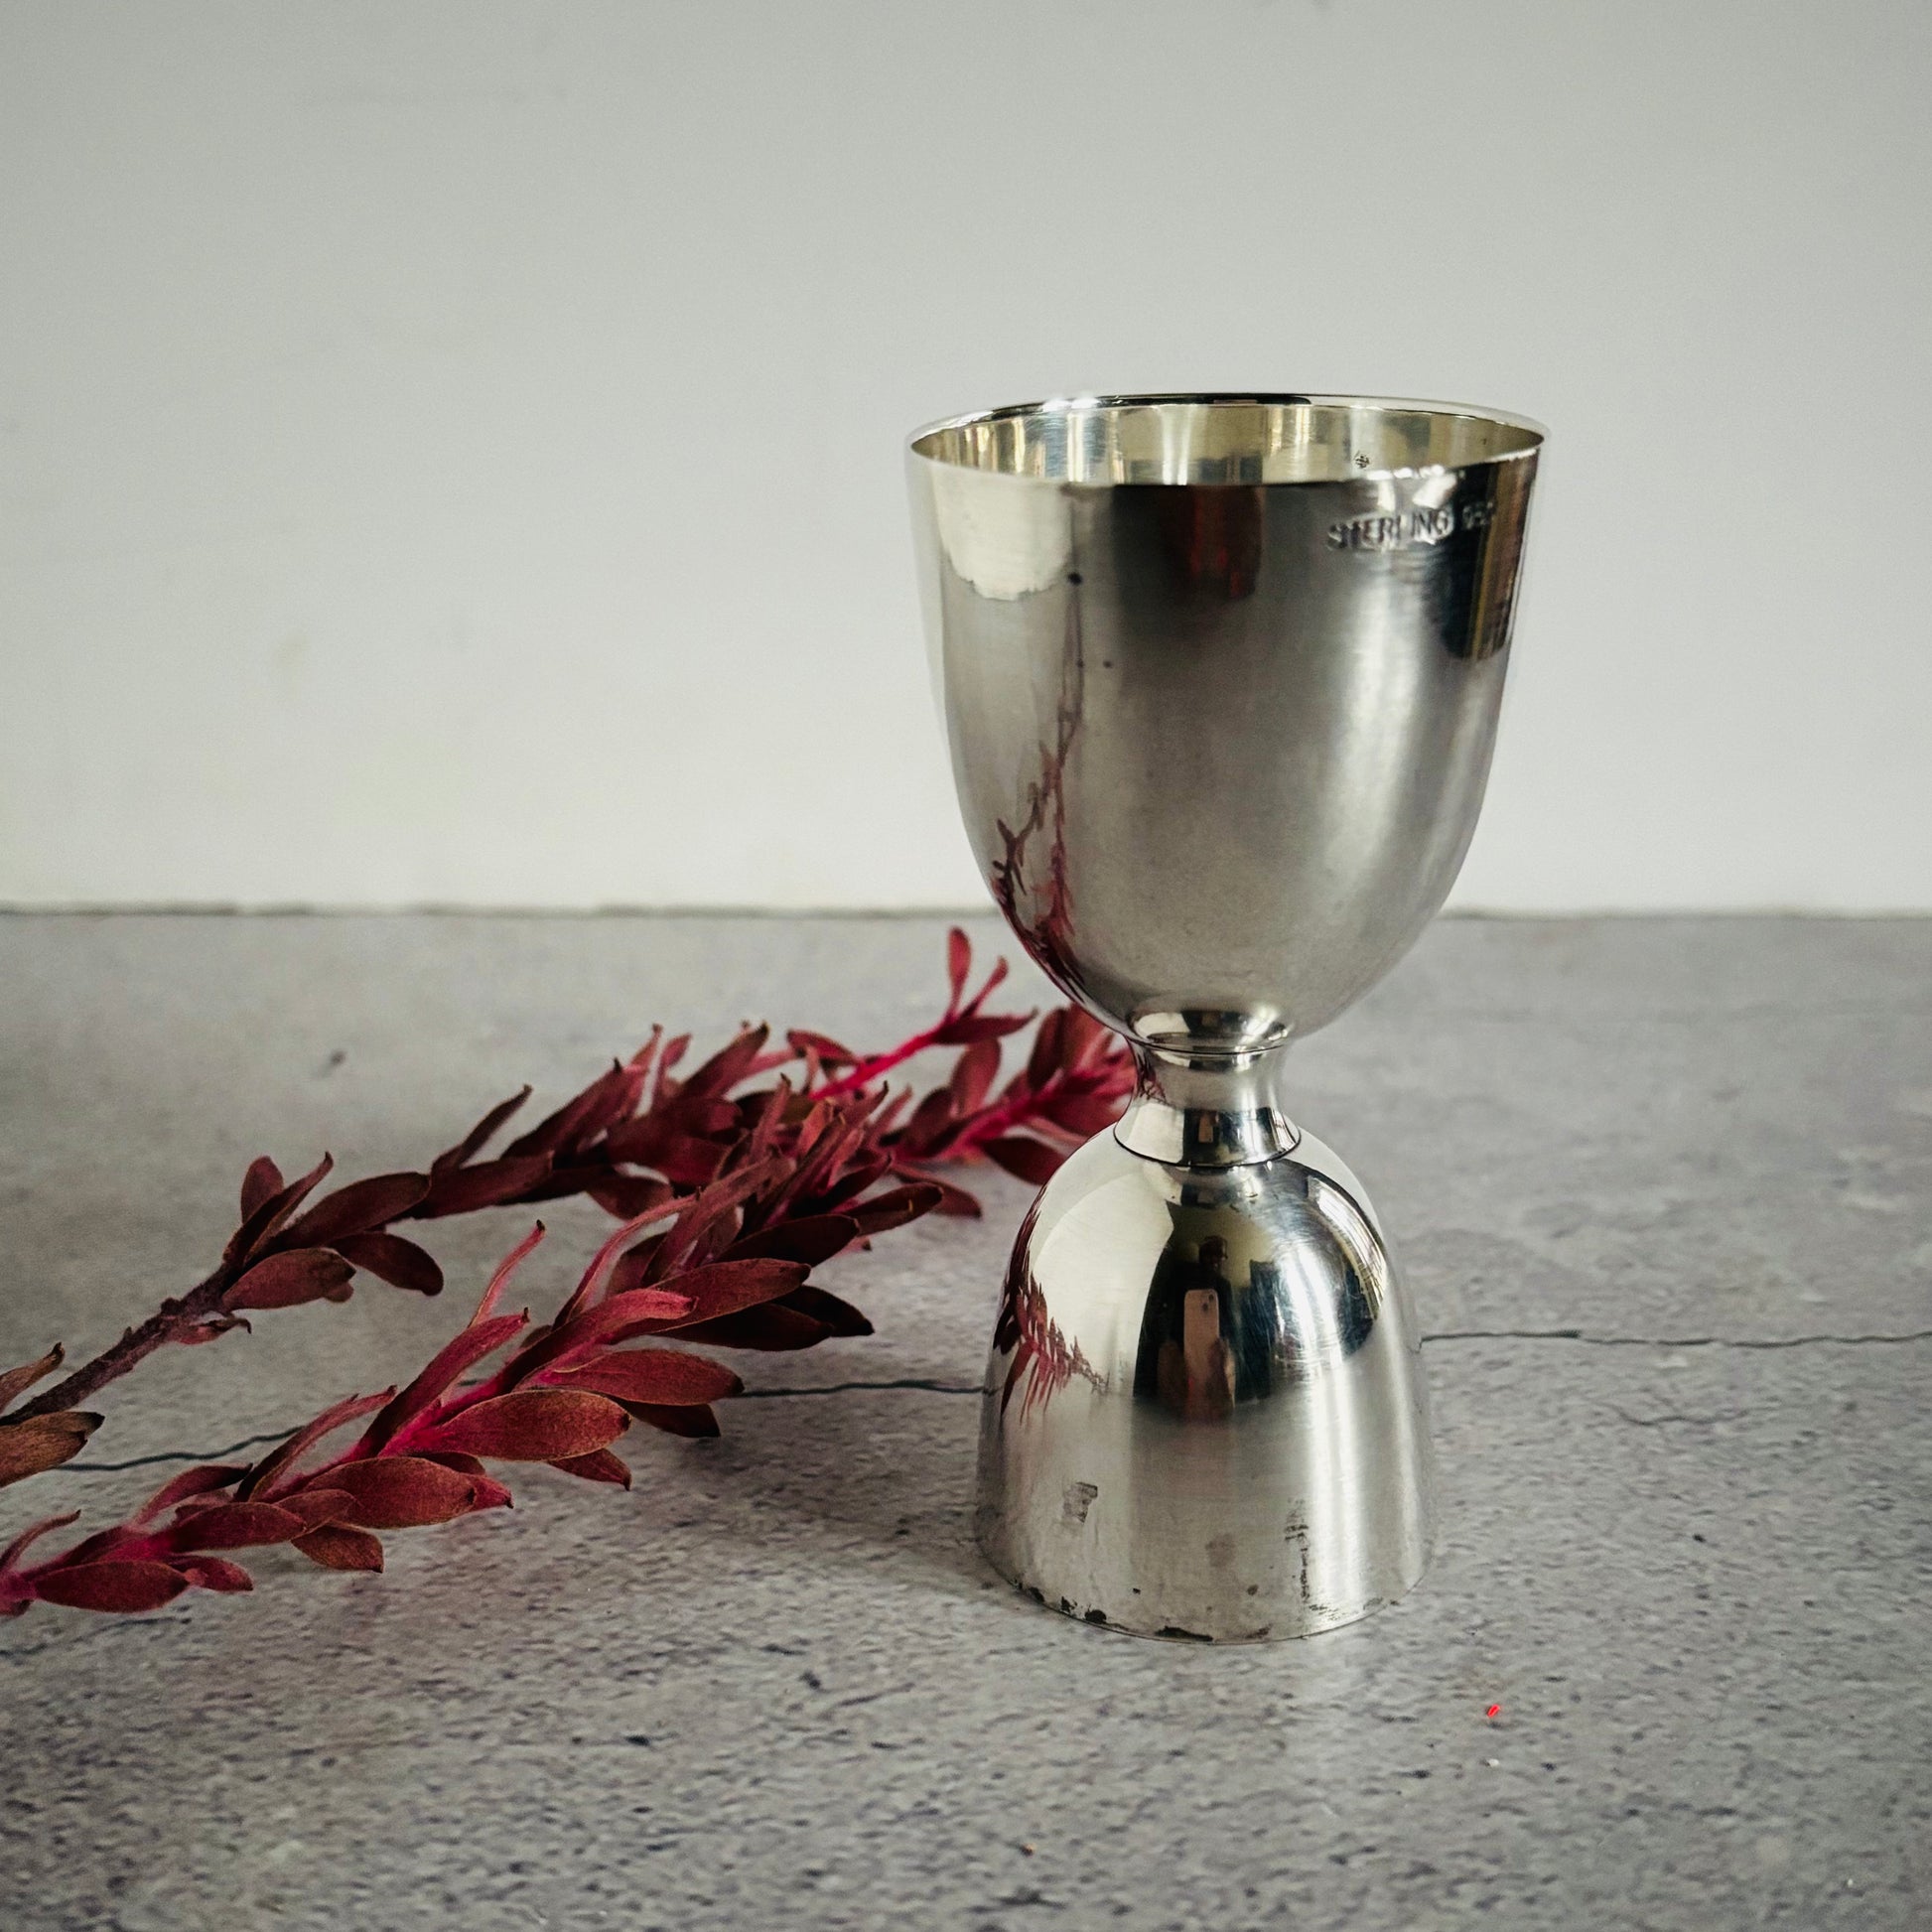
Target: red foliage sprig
[(730, 1198), (636, 1138), (566, 1391), (1075, 1082)]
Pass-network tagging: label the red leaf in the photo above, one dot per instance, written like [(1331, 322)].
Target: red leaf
[(677, 1421), (288, 1279), (862, 1173), (633, 1267), (583, 1116), (260, 1185), (532, 1426), (929, 1118), (825, 1167), (1044, 1058), (724, 1287), (216, 1573), (398, 1262), (765, 1112), (123, 1586), (1032, 1160), (270, 1215), (897, 1205), (462, 1352), (198, 1481), (653, 1140), (686, 1160), (709, 1218), (712, 1217), (1082, 1034), (505, 1268), (233, 1526), (733, 1062), (92, 1549), (335, 1546), (658, 1375), (490, 1494), (629, 1195), (973, 1075), (42, 1442), (594, 1280), (395, 1493), (1084, 1113), (956, 1200), (830, 1052), (323, 1504), (18, 1548), (333, 1417), (772, 1329), (358, 1208), (959, 962), (17, 1381), (634, 1311), (972, 1028), (838, 1315), (475, 1139), (489, 1183), (598, 1467), (811, 1239)]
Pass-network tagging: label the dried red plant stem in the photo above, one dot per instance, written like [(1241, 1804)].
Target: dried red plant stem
[(729, 1198), (166, 1325), (869, 1072), (964, 1023), (1007, 1116), (739, 1246)]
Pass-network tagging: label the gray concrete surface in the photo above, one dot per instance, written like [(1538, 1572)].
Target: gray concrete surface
[(1663, 1190)]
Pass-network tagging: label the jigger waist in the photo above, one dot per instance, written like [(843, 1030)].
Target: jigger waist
[(1207, 1111)]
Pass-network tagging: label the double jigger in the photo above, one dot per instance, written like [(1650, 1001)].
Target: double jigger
[(1220, 676)]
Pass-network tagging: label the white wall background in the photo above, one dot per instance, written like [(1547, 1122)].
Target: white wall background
[(448, 449)]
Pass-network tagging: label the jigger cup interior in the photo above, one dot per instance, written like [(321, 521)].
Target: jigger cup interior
[(1220, 678)]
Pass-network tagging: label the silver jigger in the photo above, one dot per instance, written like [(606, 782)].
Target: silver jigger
[(1220, 676)]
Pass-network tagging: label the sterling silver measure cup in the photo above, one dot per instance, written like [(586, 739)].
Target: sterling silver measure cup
[(1220, 676)]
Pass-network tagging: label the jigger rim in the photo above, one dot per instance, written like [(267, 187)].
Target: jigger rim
[(1489, 436)]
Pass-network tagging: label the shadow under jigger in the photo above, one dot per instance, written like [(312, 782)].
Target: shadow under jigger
[(1204, 1413), (1220, 678)]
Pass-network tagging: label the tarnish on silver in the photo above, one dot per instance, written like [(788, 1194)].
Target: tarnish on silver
[(1220, 676)]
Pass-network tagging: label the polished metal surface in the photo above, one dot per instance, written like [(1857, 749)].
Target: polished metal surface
[(1220, 678), (1205, 1414)]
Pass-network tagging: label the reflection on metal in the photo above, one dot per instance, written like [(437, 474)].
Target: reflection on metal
[(1220, 678), (1223, 1360), (1039, 1360), (1029, 878), (1364, 1249)]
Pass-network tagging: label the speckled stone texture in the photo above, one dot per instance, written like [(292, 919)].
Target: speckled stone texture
[(1664, 1188)]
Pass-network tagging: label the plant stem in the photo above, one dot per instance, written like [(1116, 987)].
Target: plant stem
[(135, 1345), (867, 1071)]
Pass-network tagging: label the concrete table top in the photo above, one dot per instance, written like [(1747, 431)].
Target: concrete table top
[(1664, 1188)]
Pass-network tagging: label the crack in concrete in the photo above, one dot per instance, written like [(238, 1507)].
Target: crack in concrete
[(1679, 1342), (175, 1456), (839, 1388), (1659, 1421), (930, 1386), (927, 1383)]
